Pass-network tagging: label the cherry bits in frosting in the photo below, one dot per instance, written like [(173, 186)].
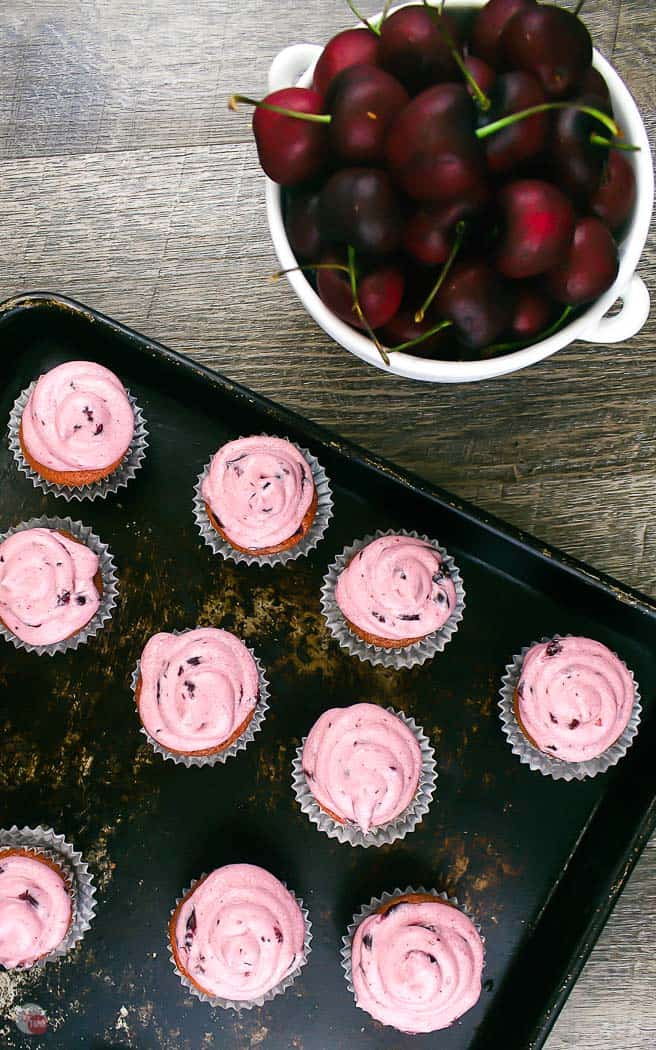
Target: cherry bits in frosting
[(77, 425), (48, 585), (260, 494), (396, 590), (362, 765), (416, 964), (574, 698), (196, 691), (238, 934), (35, 908)]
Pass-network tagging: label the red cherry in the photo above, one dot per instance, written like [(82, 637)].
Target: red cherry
[(590, 267), (551, 43), (360, 207), (615, 196), (428, 234), (380, 291), (290, 150), (539, 226), (363, 102), (413, 48), (477, 301), (489, 25), (483, 74), (594, 86), (532, 311), (519, 142), (302, 223), (353, 47)]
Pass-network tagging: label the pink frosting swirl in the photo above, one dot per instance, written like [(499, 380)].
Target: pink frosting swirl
[(78, 417), (239, 933), (396, 587), (35, 909), (197, 689), (417, 966), (259, 490), (47, 589), (362, 764), (574, 698)]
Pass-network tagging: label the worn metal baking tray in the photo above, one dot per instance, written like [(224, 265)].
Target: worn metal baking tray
[(539, 863)]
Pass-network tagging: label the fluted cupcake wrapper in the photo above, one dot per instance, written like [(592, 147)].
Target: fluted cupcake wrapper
[(384, 834), (217, 757), (312, 538), (548, 765), (107, 570), (397, 658), (375, 904), (119, 478), (248, 1004), (79, 881)]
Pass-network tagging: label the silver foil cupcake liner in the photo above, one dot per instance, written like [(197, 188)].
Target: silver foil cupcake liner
[(79, 881), (538, 760), (119, 478), (397, 658), (248, 1004), (312, 538), (384, 834), (375, 904), (107, 570), (218, 757)]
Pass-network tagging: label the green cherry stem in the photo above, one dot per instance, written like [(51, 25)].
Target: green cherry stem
[(460, 233), (507, 348), (577, 9), (546, 107), (365, 21), (420, 338), (480, 98), (357, 308), (309, 266), (599, 140), (314, 118)]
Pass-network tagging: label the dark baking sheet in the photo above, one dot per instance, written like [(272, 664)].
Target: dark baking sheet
[(539, 863)]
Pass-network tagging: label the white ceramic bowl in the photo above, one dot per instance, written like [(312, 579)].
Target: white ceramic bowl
[(295, 65)]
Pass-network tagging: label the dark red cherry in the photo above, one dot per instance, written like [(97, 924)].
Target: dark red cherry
[(360, 207), (519, 142), (290, 150), (590, 267), (353, 47), (532, 310), (551, 43), (483, 74), (380, 291), (302, 223), (615, 196), (576, 161), (413, 49), (594, 86), (404, 329), (478, 302), (432, 149), (489, 24), (428, 233), (363, 102), (538, 224)]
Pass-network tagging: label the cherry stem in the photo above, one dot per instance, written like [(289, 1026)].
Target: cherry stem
[(308, 266), (577, 9), (314, 118), (545, 107), (460, 233), (357, 308), (599, 140), (420, 338), (480, 98), (507, 348), (365, 21)]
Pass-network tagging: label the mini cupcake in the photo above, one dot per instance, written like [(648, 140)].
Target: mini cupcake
[(200, 695), (77, 427), (413, 961), (238, 937), (570, 707), (365, 775), (57, 584), (46, 897), (393, 599), (262, 499)]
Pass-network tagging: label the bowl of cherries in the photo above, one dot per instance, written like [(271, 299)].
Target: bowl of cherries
[(457, 190)]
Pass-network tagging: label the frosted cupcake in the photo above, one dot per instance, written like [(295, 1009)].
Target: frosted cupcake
[(56, 584), (394, 599), (570, 706), (78, 426), (365, 775), (238, 937), (414, 961), (199, 694)]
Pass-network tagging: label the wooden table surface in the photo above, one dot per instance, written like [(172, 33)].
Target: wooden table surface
[(126, 183)]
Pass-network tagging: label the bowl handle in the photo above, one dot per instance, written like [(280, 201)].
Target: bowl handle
[(629, 320), (289, 65)]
